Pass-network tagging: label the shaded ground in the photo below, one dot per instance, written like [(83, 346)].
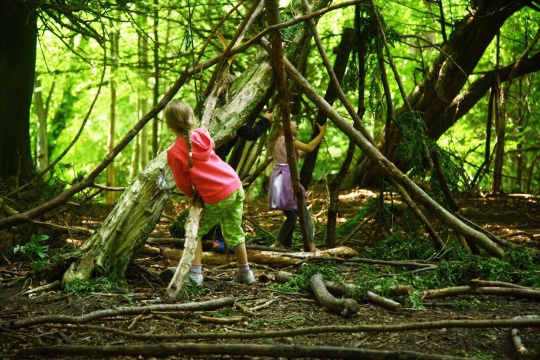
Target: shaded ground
[(259, 308)]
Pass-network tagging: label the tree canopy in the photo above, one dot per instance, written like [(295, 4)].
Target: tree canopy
[(446, 90)]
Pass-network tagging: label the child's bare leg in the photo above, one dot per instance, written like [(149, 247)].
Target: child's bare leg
[(241, 253), (197, 260), (244, 274)]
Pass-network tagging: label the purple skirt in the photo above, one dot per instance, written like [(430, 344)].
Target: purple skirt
[(281, 194)]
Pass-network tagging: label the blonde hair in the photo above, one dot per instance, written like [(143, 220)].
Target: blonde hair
[(180, 118)]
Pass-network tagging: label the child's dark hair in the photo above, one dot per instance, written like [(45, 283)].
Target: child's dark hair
[(180, 117)]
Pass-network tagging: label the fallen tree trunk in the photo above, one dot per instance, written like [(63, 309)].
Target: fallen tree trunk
[(126, 310), (341, 290), (176, 349), (383, 302), (527, 293), (272, 258), (343, 307)]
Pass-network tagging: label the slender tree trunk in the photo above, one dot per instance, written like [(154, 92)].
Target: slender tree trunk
[(342, 59), (487, 148), (41, 108), (156, 93), (18, 34), (500, 133), (272, 9), (135, 155), (143, 100), (335, 183), (111, 178)]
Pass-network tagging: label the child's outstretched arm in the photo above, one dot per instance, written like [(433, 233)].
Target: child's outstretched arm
[(309, 147)]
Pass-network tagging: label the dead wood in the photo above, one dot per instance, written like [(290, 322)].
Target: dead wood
[(343, 307), (341, 290), (517, 233), (190, 246), (274, 351), (479, 282), (52, 286), (166, 241), (357, 228), (221, 320), (389, 168), (527, 293), (386, 303), (134, 310), (345, 289), (408, 264), (317, 330), (397, 290), (258, 256), (254, 223)]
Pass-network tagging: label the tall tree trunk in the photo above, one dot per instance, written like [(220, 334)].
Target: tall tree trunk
[(343, 51), (156, 93), (41, 109), (437, 94), (111, 177), (361, 41), (18, 34), (143, 100)]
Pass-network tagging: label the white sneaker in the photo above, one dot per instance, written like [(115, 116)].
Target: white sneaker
[(194, 279), (244, 277)]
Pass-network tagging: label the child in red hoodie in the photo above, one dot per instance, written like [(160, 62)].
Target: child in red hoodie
[(196, 167)]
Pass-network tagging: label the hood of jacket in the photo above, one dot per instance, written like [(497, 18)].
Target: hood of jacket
[(201, 144)]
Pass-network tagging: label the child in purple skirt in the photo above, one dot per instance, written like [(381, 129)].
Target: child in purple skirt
[(281, 194)]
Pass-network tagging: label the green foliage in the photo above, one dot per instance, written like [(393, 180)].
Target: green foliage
[(459, 268), (475, 354), (400, 246), (69, 65), (415, 149), (473, 302), (189, 292), (345, 229), (102, 284), (35, 250), (300, 283)]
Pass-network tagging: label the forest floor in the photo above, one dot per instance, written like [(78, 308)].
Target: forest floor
[(257, 308)]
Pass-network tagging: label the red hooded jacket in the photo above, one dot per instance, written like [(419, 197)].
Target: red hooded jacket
[(212, 177)]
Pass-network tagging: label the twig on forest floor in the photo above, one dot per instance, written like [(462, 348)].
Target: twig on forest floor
[(259, 226), (134, 310)]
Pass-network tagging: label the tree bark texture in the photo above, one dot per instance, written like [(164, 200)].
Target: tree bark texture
[(437, 95), (126, 228), (18, 34), (190, 247)]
